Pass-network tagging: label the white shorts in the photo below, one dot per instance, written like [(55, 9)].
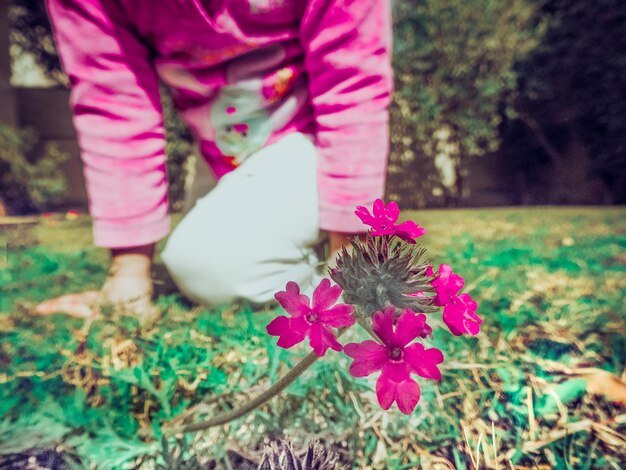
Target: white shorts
[(254, 231)]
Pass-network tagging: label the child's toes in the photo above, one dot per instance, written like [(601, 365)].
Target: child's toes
[(82, 305)]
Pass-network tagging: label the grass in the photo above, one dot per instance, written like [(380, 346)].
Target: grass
[(529, 392)]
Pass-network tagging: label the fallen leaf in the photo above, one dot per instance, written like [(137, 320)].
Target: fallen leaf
[(602, 382)]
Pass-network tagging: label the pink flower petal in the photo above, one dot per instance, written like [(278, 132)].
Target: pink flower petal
[(321, 338), (325, 295), (423, 361), (409, 230), (379, 231), (365, 216), (386, 391), (369, 357), (446, 284), (460, 317), (282, 327), (338, 316), (382, 324), (398, 371), (383, 221), (405, 393), (410, 326), (407, 396), (293, 301), (378, 209), (392, 211)]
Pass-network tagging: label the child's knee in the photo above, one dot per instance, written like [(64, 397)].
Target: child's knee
[(195, 275), (212, 277)]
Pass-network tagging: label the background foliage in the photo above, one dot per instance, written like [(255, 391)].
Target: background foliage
[(24, 185), (536, 85), (455, 82), (571, 98)]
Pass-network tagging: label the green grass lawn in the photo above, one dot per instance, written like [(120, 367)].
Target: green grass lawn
[(536, 387)]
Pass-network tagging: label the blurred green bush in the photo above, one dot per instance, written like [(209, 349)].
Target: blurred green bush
[(25, 185)]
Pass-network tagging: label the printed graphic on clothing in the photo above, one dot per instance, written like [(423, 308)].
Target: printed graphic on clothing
[(237, 108), (241, 123), (266, 6)]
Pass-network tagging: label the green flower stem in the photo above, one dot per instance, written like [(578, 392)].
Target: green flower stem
[(255, 402)]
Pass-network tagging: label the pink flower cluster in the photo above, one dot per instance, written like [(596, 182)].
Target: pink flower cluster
[(459, 310), (383, 221), (314, 321), (396, 349), (396, 358)]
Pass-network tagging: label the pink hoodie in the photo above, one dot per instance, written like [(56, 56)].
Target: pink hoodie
[(243, 74)]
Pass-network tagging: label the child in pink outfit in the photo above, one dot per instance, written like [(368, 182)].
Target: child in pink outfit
[(244, 75)]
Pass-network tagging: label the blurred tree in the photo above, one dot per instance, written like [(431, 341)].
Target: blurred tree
[(31, 33), (572, 97), (454, 80)]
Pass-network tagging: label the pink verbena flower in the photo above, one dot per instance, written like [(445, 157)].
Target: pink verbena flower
[(460, 315), (446, 284), (315, 321), (396, 358), (383, 221)]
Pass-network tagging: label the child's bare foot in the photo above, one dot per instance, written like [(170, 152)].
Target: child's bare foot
[(127, 289), (83, 305), (127, 295)]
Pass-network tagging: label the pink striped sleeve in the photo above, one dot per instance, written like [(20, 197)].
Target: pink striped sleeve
[(118, 118), (348, 46)]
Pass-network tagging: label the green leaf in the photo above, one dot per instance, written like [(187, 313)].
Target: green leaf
[(566, 392)]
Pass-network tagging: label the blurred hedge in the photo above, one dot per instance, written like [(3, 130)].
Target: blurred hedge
[(25, 185), (455, 83)]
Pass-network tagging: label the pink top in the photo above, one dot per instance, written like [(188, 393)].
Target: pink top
[(243, 73)]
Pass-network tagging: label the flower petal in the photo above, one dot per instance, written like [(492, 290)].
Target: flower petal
[(282, 327), (378, 209), (325, 295), (460, 317), (378, 230), (409, 326), (392, 211), (338, 316), (398, 371), (382, 324), (369, 357), (386, 391), (321, 338), (423, 361), (365, 216), (405, 393), (410, 229), (299, 325), (407, 396), (292, 300), (446, 284)]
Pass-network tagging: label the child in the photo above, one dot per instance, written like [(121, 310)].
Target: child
[(287, 100)]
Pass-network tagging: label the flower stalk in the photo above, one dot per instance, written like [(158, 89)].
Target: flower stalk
[(255, 402)]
